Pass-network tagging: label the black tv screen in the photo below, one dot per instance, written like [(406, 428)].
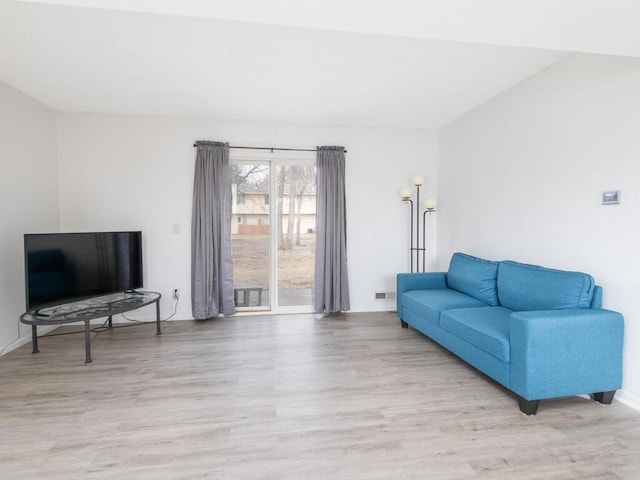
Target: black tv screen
[(65, 267)]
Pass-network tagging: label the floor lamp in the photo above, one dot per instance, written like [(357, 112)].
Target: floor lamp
[(429, 207)]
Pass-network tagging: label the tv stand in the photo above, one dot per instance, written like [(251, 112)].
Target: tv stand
[(87, 310)]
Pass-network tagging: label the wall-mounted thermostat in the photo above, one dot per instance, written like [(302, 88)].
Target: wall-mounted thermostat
[(611, 198)]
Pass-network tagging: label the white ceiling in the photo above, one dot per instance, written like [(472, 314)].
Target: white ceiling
[(401, 63)]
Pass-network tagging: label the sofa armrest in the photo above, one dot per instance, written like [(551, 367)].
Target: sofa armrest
[(556, 353), (419, 281)]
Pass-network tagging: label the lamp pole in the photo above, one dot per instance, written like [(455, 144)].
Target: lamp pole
[(418, 229), (429, 207), (405, 193)]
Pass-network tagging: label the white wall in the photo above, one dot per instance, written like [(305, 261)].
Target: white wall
[(522, 177), (126, 172), (28, 196)]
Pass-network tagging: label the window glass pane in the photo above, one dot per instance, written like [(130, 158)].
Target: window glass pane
[(250, 234), (296, 234)]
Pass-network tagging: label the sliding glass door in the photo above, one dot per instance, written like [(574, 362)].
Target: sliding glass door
[(296, 234), (250, 234), (273, 234)]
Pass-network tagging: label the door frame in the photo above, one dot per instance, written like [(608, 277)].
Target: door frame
[(273, 160)]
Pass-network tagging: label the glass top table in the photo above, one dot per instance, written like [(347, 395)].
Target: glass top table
[(89, 309)]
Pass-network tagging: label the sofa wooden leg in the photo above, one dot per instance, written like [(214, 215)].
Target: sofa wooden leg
[(528, 407), (604, 397), (404, 324)]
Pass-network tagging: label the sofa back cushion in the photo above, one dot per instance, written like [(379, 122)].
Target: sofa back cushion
[(523, 287), (474, 276)]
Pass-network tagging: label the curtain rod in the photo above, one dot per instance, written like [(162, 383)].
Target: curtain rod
[(276, 148)]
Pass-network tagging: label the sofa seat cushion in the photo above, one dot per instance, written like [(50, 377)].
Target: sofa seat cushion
[(474, 276), (429, 303), (487, 328), (523, 287)]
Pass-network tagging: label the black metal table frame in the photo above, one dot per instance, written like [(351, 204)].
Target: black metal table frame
[(96, 309)]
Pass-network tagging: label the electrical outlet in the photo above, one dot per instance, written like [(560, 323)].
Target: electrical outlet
[(385, 295), (176, 294)]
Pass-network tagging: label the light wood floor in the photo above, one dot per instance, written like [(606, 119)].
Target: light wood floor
[(292, 397)]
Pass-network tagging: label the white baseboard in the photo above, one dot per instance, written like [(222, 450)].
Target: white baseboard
[(24, 339), (629, 399)]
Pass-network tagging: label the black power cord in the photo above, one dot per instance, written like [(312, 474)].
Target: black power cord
[(11, 343), (175, 310)]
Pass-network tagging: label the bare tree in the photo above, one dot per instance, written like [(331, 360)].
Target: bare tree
[(298, 216), (241, 173), (295, 182), (293, 176), (306, 181), (282, 175)]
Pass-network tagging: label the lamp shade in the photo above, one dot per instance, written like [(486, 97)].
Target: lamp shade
[(405, 192), (418, 180), (430, 203)]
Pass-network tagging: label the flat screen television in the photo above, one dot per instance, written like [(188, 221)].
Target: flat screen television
[(65, 267)]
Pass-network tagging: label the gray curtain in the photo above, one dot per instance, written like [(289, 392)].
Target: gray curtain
[(331, 284), (211, 261)]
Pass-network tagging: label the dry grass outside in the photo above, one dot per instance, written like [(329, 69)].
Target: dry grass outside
[(251, 262)]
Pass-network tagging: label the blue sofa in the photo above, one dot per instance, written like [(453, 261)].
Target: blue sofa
[(539, 332)]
